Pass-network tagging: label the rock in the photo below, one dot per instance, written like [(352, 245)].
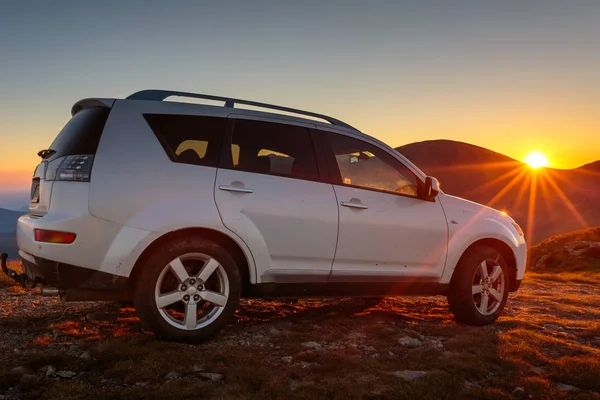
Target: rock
[(142, 384), (519, 390), (172, 376), (29, 379), (85, 355), (563, 387), (312, 345), (66, 374), (295, 385), (554, 327), (391, 354), (409, 342), (538, 370), (20, 370), (48, 370), (287, 359), (369, 349), (471, 385), (410, 375), (274, 331), (214, 378), (306, 364), (197, 368)]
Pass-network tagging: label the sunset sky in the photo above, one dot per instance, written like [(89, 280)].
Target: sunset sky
[(511, 76)]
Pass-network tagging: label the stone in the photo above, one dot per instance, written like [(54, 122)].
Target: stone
[(29, 379), (538, 370), (172, 376), (306, 364), (563, 387), (287, 359), (410, 375), (553, 327), (409, 342), (518, 390), (20, 370), (49, 370), (214, 378), (197, 368), (312, 345), (85, 356), (66, 374), (391, 354), (142, 384)]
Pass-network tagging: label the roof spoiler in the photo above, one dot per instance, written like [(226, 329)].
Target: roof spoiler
[(91, 102)]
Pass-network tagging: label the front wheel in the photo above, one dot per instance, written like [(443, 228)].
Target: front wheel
[(479, 287), (188, 289)]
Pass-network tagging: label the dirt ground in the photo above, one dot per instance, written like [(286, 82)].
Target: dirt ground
[(546, 346)]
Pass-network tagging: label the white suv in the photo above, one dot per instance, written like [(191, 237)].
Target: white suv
[(184, 208)]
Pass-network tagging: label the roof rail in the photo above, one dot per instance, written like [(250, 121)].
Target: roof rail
[(160, 95)]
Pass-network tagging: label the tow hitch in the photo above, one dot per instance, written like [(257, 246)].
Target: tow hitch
[(22, 279)]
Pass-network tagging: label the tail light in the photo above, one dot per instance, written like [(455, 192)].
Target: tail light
[(43, 235), (70, 168)]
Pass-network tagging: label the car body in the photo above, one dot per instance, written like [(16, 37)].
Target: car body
[(298, 206)]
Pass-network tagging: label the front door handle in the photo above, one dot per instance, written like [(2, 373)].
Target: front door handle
[(352, 204), (235, 189)]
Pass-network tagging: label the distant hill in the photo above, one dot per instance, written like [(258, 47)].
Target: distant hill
[(563, 200), (8, 220), (8, 227)]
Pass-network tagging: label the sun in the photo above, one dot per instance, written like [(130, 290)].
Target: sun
[(535, 159)]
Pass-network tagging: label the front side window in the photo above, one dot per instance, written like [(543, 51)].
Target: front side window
[(189, 139), (363, 165), (273, 149)]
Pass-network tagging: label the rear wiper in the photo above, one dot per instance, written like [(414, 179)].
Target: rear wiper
[(46, 153)]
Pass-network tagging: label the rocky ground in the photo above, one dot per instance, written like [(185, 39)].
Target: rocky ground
[(547, 345)]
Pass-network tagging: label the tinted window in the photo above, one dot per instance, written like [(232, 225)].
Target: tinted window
[(364, 165), (81, 134), (189, 139), (275, 149)]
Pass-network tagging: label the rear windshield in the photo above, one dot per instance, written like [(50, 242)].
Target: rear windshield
[(81, 134)]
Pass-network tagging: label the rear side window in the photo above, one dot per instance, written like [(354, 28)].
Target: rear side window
[(81, 134), (189, 139), (273, 149)]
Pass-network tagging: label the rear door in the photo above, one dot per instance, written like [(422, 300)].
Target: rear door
[(269, 192), (386, 232)]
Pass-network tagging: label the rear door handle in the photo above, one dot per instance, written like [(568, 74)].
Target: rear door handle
[(352, 204), (235, 189)]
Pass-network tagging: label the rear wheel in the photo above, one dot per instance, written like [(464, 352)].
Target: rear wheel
[(188, 289), (479, 288)]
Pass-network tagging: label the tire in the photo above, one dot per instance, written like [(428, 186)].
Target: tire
[(164, 273), (465, 299)]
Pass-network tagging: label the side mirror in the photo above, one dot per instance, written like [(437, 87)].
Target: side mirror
[(432, 187)]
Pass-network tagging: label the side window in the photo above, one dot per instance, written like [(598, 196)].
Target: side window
[(189, 139), (274, 149), (366, 166)]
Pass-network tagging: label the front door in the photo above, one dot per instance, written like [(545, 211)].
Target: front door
[(268, 192), (387, 231)]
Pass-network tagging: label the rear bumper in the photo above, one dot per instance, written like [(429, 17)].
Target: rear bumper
[(66, 276)]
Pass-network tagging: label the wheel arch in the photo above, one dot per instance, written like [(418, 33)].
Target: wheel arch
[(242, 260), (506, 252)]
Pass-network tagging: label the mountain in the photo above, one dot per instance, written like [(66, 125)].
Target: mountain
[(560, 200), (8, 227)]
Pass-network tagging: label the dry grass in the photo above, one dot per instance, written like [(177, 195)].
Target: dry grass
[(549, 335)]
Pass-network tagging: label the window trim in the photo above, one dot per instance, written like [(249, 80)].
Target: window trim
[(226, 158), (335, 175)]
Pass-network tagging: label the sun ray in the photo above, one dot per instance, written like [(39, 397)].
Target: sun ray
[(522, 191), (478, 166), (531, 208), (567, 202), (506, 188), (496, 180)]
